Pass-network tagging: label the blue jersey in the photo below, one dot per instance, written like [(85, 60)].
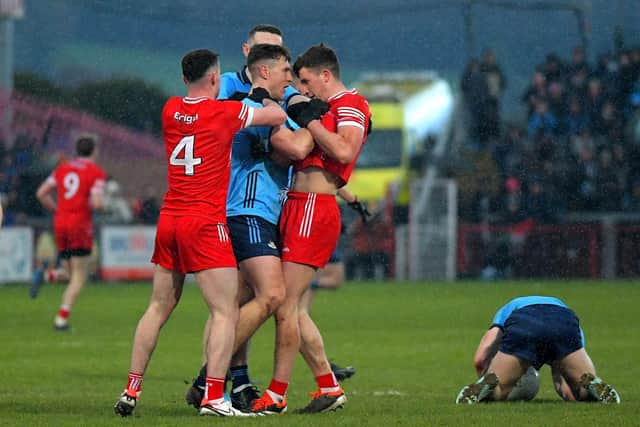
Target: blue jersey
[(505, 311), (232, 82), (256, 186)]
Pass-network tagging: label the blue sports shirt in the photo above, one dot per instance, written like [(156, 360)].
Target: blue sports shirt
[(256, 186), (505, 311)]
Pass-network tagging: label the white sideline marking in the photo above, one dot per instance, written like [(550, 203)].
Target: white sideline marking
[(379, 393)]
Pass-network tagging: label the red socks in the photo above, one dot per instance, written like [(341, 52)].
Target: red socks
[(134, 384), (63, 313), (277, 390), (214, 389), (327, 383)]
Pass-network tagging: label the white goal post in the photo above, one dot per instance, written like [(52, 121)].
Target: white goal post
[(432, 232)]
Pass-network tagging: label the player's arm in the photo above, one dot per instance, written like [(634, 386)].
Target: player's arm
[(342, 146), (487, 348), (560, 384), (345, 194), (1, 214), (96, 199), (44, 194), (270, 115), (291, 145)]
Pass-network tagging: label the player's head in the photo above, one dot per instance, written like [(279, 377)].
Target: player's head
[(201, 67), (262, 34), (318, 72), (86, 146), (269, 67)]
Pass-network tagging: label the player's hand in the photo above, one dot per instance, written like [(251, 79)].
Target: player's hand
[(313, 110), (259, 148), (294, 110), (259, 94), (238, 96), (361, 209)]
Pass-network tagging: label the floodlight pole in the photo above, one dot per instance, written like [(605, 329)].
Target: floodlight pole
[(6, 78), (6, 54), (470, 34)]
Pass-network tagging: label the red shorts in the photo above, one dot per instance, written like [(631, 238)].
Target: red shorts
[(73, 237), (309, 228), (188, 244)]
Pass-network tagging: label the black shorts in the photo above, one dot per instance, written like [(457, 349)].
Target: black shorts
[(69, 253), (252, 236), (541, 333)]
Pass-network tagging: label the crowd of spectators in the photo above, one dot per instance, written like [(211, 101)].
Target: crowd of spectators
[(25, 165), (21, 172), (575, 151)]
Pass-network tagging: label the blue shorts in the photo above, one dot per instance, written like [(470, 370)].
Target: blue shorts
[(252, 236), (541, 333)]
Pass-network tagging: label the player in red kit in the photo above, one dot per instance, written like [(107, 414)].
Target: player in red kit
[(192, 234), (79, 188), (310, 223)]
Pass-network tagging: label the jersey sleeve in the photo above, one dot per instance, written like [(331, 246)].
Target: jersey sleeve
[(238, 114), (501, 316), (351, 112)]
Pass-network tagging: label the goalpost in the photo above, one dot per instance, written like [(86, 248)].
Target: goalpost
[(426, 247)]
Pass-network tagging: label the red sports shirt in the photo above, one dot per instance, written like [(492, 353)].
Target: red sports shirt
[(347, 108), (75, 181), (198, 133)]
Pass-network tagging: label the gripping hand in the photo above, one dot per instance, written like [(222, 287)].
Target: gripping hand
[(309, 111), (259, 94), (361, 209)]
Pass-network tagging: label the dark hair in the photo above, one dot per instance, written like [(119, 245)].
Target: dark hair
[(317, 57), (196, 63), (264, 28), (85, 145), (263, 51)]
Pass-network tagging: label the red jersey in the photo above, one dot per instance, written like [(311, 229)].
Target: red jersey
[(347, 108), (75, 181), (198, 133)]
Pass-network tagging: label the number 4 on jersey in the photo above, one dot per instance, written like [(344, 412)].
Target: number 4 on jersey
[(188, 161)]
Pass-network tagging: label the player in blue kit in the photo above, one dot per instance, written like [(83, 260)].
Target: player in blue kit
[(237, 84), (533, 331)]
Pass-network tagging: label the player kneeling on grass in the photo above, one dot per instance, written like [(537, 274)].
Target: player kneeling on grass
[(533, 331)]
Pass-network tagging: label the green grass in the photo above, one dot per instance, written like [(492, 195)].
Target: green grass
[(411, 343)]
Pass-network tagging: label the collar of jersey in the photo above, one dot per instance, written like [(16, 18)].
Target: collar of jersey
[(189, 100), (243, 76), (341, 93)]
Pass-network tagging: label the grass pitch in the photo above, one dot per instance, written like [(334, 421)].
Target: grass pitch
[(412, 344)]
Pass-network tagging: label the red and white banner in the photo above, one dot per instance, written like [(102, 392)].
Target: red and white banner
[(125, 252)]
